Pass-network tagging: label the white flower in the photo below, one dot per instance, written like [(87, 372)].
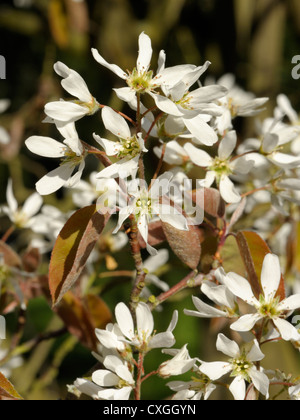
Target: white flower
[(236, 103), (114, 383), (200, 387), (241, 367), (71, 153), (128, 148), (178, 365), (221, 167), (152, 266), (268, 307), (294, 392), (74, 84), (221, 295), (141, 79), (146, 203), (21, 217), (143, 337), (174, 153)]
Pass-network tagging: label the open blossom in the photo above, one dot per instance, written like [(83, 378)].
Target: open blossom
[(236, 103), (221, 295), (74, 84), (179, 364), (268, 306), (241, 367), (116, 382), (128, 148), (72, 155), (220, 168), (146, 203), (24, 217), (144, 337)]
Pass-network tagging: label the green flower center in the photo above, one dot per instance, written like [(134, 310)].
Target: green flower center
[(269, 309), (140, 82), (241, 367), (130, 147)]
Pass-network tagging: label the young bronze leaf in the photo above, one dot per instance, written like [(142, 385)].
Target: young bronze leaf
[(7, 390), (185, 244), (253, 250), (10, 257), (72, 249), (212, 201)]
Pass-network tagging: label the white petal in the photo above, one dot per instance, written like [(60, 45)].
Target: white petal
[(145, 53), (227, 346), (154, 263), (11, 200), (87, 387), (111, 148), (270, 276), (246, 322), (255, 354), (290, 304), (145, 322), (124, 320), (260, 381), (173, 217), (173, 322), (197, 156), (227, 145), (105, 378), (202, 132), (123, 373), (287, 331), (285, 161), (54, 180), (76, 86), (228, 191), (204, 310), (45, 146), (32, 205), (112, 67), (241, 288), (115, 123), (166, 105), (65, 111), (162, 340), (215, 370), (238, 388)]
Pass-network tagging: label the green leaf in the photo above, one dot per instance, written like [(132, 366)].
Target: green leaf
[(72, 249)]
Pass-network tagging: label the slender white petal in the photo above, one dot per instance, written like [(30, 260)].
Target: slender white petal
[(227, 346), (115, 123), (124, 320), (111, 148), (201, 131), (65, 111), (287, 331), (228, 191), (215, 370), (227, 145), (45, 146), (246, 322), (197, 156), (260, 381), (54, 180), (11, 200), (112, 67), (145, 53), (255, 354), (290, 304), (145, 322), (32, 205), (105, 378), (270, 276), (241, 288), (238, 388), (162, 340)]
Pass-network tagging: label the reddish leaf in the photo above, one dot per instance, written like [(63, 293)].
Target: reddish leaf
[(185, 244), (81, 317), (72, 249), (10, 257), (253, 250), (212, 201), (7, 390)]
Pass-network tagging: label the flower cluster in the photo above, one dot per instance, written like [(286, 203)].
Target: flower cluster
[(250, 294)]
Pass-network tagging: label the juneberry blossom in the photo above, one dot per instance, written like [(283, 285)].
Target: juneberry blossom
[(143, 336), (25, 216), (241, 366), (225, 300), (116, 382), (68, 111), (71, 153), (128, 148), (221, 167), (269, 306), (178, 365), (146, 203)]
